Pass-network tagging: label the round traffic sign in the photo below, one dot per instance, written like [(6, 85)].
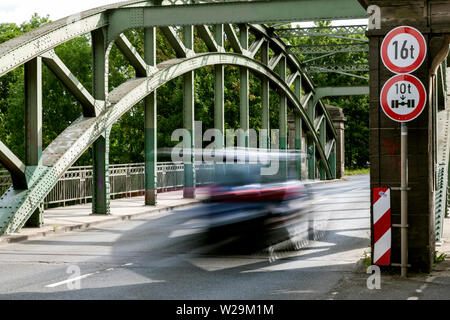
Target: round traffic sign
[(403, 49), (403, 97)]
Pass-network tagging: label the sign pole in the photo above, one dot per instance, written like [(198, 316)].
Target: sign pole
[(404, 199), (403, 98)]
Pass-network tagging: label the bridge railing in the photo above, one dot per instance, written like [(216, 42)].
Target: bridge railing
[(125, 180)]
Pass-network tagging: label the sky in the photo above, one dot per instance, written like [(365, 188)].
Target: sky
[(18, 11)]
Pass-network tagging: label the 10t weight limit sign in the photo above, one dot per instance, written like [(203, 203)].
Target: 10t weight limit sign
[(403, 49), (403, 97)]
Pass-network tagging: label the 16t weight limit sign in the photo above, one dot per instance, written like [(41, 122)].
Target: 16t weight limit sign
[(403, 49), (403, 97)]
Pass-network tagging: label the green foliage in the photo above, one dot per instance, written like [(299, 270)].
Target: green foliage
[(367, 260), (12, 127), (351, 172), (356, 108), (439, 257)]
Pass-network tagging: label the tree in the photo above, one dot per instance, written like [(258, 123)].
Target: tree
[(356, 108)]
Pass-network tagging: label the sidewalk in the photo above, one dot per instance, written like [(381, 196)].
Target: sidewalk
[(434, 286), (76, 217)]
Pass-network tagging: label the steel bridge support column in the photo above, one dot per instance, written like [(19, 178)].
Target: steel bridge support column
[(150, 123), (332, 161), (33, 125), (298, 129), (311, 145), (244, 91), (311, 150), (219, 96), (265, 100), (188, 119), (385, 134), (100, 148), (283, 123), (323, 142)]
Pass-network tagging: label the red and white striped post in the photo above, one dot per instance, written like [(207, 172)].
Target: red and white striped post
[(382, 226)]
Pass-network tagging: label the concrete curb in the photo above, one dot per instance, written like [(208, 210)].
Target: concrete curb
[(48, 231), (323, 182)]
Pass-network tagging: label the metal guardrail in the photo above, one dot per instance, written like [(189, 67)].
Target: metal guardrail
[(442, 195), (440, 200), (125, 180)]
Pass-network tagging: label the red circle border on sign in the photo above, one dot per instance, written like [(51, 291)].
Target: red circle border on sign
[(422, 52), (422, 100)]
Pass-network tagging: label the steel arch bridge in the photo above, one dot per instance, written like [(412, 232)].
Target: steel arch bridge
[(34, 178)]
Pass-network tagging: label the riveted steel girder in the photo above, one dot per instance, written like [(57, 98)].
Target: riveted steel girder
[(130, 52), (87, 101), (322, 31), (15, 167), (232, 12), (338, 68), (325, 49), (128, 14), (322, 92)]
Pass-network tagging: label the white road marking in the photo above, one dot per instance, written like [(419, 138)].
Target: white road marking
[(323, 199), (70, 280), (53, 285)]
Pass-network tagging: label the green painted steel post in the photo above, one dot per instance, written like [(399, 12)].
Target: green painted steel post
[(283, 122), (33, 125), (244, 89), (219, 101), (265, 98), (219, 109), (298, 129), (100, 148), (150, 123), (323, 142), (332, 161), (311, 111), (311, 158), (188, 118), (33, 112), (298, 144)]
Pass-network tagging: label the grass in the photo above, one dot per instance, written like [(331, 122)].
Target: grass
[(352, 172), (439, 257), (367, 260)]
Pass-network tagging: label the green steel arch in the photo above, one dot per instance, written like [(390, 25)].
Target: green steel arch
[(35, 178)]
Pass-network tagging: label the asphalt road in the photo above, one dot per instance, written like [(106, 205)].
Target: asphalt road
[(151, 257)]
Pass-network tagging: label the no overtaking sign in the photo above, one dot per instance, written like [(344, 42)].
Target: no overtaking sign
[(403, 97)]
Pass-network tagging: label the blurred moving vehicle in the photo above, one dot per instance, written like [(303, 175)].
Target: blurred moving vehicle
[(256, 210)]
